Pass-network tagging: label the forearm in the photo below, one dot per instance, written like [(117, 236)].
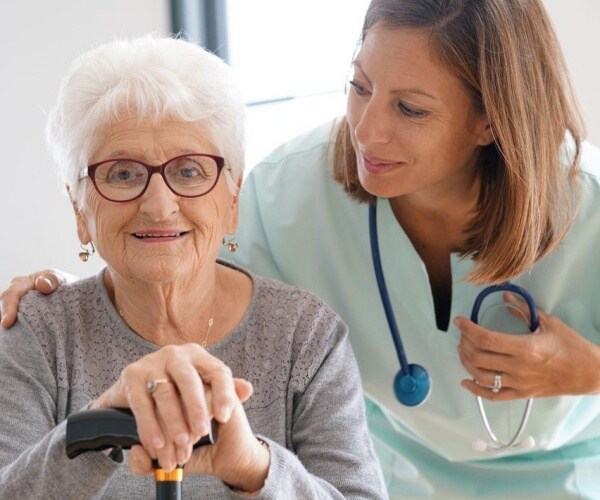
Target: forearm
[(33, 460), (288, 478), (327, 453), (330, 434), (44, 471)]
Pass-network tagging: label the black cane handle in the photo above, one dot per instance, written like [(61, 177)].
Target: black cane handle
[(97, 430)]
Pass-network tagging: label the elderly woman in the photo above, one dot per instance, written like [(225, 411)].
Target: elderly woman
[(165, 328)]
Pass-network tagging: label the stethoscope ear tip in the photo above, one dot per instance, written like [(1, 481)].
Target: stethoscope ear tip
[(481, 446), (528, 443)]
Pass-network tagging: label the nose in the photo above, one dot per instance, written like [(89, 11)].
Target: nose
[(158, 201), (374, 123)]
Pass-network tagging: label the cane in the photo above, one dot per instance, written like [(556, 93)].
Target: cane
[(97, 430)]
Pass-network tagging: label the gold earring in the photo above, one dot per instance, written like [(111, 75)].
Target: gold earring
[(85, 254), (231, 244)]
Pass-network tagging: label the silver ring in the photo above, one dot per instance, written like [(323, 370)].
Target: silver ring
[(152, 385), (497, 383)]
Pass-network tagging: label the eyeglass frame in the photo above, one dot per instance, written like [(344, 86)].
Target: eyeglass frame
[(90, 171)]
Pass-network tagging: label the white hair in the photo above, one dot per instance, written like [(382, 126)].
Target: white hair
[(151, 78)]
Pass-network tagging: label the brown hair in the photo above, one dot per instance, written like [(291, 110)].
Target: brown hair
[(508, 57)]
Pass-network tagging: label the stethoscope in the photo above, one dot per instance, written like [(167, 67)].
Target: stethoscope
[(412, 383)]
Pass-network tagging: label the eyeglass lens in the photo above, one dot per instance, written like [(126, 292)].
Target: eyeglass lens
[(122, 180)]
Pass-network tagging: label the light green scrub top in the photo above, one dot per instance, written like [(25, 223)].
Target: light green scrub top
[(298, 225)]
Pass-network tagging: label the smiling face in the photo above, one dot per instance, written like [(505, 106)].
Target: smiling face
[(159, 237), (412, 121)]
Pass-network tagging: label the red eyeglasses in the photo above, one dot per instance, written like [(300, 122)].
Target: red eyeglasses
[(122, 179)]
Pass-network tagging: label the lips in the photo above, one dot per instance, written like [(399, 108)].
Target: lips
[(378, 166)]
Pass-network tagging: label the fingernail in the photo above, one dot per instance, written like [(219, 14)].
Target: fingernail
[(456, 321), (47, 280), (182, 438), (157, 442)]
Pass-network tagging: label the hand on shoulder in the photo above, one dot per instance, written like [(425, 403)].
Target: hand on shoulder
[(45, 281)]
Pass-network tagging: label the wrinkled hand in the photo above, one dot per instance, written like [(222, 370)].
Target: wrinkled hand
[(45, 281), (177, 414), (552, 361)]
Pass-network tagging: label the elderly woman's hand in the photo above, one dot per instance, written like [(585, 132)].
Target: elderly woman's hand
[(552, 361), (192, 387), (237, 458)]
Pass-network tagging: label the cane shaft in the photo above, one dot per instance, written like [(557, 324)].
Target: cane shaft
[(168, 484)]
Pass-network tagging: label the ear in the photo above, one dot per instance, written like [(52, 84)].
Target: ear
[(82, 229), (485, 134), (233, 211)]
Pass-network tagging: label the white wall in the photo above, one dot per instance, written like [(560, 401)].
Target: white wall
[(577, 24), (38, 40)]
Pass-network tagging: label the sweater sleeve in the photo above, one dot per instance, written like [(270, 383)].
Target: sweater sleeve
[(332, 454), (33, 460)]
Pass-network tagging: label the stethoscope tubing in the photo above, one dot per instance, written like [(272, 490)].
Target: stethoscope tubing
[(507, 287), (385, 298), (497, 446)]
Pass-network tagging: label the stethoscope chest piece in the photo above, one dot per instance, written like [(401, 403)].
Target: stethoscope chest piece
[(413, 388)]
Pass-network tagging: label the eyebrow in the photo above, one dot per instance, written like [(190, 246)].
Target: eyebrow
[(410, 90), (121, 153)]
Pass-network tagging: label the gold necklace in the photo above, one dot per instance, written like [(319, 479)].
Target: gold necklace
[(210, 324)]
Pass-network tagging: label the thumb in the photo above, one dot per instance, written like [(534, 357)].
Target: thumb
[(243, 389), (45, 283)]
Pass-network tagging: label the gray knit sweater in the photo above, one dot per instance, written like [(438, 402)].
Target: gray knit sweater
[(69, 347)]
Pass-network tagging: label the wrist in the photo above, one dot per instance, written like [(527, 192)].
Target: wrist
[(251, 478), (597, 372)]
